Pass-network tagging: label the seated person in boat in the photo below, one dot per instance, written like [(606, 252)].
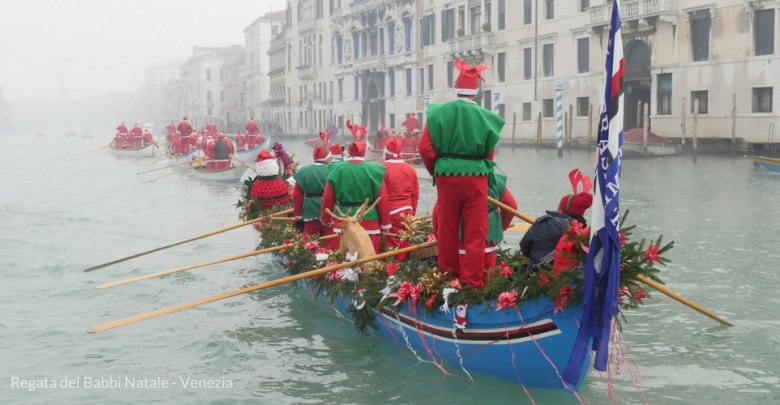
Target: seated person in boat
[(268, 186), (540, 240), (223, 152)]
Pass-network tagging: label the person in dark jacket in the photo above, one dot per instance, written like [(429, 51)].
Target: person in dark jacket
[(538, 243)]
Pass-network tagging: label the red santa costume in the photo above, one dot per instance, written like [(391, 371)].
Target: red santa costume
[(171, 129), (185, 129), (457, 149), (147, 138), (268, 186), (137, 135), (351, 183), (251, 133), (240, 142), (380, 139), (223, 152), (121, 129), (403, 189), (211, 128), (411, 123)]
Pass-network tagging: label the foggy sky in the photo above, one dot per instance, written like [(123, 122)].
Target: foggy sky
[(98, 46)]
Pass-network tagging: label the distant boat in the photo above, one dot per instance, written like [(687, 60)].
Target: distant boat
[(773, 165), (70, 134), (40, 134), (656, 145), (86, 135)]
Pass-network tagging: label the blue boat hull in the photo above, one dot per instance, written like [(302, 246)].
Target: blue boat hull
[(530, 346)]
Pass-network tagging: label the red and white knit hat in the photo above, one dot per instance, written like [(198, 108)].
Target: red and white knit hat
[(467, 82), (266, 164)]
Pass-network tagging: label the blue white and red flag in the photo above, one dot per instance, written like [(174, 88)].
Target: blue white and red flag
[(602, 269)]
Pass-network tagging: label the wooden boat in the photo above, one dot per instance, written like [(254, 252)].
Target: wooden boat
[(250, 155), (148, 150), (227, 175), (40, 134), (633, 145), (773, 165), (529, 346), (86, 135)]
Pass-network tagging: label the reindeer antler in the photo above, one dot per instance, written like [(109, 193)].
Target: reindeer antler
[(341, 218), (576, 177), (363, 211)]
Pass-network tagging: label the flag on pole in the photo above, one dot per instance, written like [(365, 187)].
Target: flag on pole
[(602, 269)]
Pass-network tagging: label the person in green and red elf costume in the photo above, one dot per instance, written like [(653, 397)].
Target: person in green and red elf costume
[(457, 147), (350, 183), (307, 194)]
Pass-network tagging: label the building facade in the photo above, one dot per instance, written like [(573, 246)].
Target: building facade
[(377, 61)]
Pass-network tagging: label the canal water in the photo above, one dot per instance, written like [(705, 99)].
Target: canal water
[(66, 204)]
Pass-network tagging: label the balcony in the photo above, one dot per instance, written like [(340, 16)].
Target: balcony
[(632, 10), (277, 43), (401, 58), (472, 42), (637, 71), (307, 72), (308, 26), (374, 62)]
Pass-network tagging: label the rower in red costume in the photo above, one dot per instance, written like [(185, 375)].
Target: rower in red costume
[(409, 146), (121, 129), (211, 128), (251, 133), (136, 135), (380, 139), (209, 149), (351, 183), (240, 142), (147, 138), (457, 148), (268, 186), (223, 152), (411, 123), (171, 131), (403, 189), (185, 129)]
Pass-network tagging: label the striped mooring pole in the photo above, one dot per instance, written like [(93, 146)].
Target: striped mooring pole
[(427, 99), (496, 97), (559, 116)]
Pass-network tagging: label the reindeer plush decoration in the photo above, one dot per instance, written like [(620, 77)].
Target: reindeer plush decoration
[(355, 242)]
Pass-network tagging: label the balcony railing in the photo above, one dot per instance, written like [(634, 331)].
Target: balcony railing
[(470, 42), (401, 58), (370, 62), (306, 26), (637, 71), (632, 10), (307, 72), (277, 43)]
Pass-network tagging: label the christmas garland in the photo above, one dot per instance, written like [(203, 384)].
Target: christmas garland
[(419, 282)]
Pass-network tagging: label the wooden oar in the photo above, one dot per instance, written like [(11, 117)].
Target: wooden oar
[(166, 167), (194, 238), (165, 311), (174, 172), (514, 212), (291, 219), (208, 263), (671, 294), (244, 163)]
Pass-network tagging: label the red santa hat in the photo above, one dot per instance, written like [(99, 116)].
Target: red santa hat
[(335, 150), (185, 118), (321, 154), (411, 114), (266, 165), (393, 149), (357, 148), (579, 201), (467, 82)]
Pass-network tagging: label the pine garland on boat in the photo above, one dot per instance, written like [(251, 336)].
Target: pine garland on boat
[(418, 281)]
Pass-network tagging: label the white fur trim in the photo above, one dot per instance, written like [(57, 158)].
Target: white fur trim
[(356, 158), (468, 92), (487, 250), (395, 161), (323, 159), (385, 227), (399, 209)]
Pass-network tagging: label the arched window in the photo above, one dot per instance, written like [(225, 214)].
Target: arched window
[(208, 95)]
